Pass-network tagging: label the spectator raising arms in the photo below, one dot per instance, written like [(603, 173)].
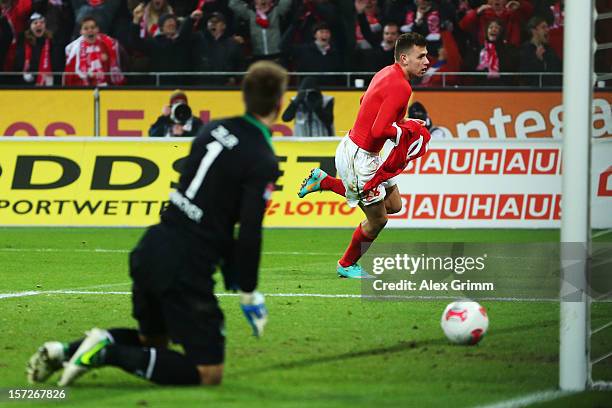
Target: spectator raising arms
[(37, 55), (424, 19), (496, 56), (152, 12), (264, 25), (217, 51), (367, 9), (170, 50), (382, 54), (510, 13), (93, 58)]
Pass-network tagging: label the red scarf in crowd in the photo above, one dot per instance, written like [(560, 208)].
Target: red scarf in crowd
[(261, 18), (44, 77), (150, 32), (86, 62), (489, 60)]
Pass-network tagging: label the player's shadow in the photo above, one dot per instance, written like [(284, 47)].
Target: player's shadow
[(396, 348)]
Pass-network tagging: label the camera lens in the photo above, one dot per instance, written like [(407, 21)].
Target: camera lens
[(181, 113)]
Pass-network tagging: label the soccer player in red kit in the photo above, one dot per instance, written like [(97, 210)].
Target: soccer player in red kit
[(380, 118)]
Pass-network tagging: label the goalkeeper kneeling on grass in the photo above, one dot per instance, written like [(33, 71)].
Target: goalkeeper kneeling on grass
[(172, 265)]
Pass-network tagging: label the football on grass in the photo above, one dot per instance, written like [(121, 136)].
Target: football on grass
[(464, 322)]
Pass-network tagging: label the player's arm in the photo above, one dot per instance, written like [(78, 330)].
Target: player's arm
[(247, 251), (384, 126), (253, 204), (240, 9)]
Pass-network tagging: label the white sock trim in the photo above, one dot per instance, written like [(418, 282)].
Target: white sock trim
[(151, 366)]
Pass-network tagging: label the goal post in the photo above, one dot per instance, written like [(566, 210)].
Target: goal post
[(578, 83)]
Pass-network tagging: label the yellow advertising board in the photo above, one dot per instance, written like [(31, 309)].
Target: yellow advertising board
[(285, 209), (126, 181), (131, 113), (30, 112), (460, 114)]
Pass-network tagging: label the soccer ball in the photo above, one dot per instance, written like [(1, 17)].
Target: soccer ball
[(464, 322)]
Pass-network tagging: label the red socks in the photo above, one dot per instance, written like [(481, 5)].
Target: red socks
[(353, 252), (330, 183)]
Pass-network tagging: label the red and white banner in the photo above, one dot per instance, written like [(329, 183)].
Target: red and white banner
[(502, 184)]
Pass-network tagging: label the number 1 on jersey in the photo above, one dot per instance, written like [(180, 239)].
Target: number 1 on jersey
[(213, 149)]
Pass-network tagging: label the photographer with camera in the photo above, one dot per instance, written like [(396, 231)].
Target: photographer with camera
[(313, 111), (176, 119)]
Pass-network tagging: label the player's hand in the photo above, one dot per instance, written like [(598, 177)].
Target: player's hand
[(254, 308)]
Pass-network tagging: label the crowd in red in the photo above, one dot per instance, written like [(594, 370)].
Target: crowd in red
[(100, 42)]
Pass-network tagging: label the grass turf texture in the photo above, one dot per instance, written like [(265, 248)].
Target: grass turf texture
[(316, 351)]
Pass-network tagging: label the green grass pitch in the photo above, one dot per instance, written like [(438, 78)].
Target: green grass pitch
[(316, 351)]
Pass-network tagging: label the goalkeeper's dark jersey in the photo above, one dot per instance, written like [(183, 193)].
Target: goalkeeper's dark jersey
[(226, 180)]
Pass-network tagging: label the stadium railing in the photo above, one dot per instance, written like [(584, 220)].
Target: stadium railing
[(352, 79)]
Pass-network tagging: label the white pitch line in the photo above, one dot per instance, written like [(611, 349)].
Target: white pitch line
[(40, 292), (81, 289), (90, 292), (87, 250), (125, 251), (19, 294), (305, 295), (602, 233), (518, 402)]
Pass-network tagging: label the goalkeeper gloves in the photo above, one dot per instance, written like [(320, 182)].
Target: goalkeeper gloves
[(254, 308)]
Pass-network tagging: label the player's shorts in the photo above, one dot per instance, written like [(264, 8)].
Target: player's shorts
[(355, 168), (172, 294)]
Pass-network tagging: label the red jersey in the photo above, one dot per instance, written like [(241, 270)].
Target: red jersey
[(412, 145), (384, 103)]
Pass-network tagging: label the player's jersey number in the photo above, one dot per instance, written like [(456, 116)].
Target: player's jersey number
[(213, 149)]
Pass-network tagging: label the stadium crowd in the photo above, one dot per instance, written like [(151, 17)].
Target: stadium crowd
[(100, 42)]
